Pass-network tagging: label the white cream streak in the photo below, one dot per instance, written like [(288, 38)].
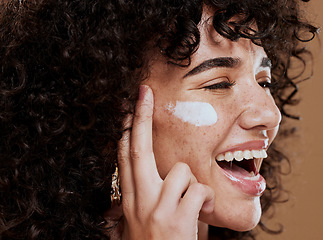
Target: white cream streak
[(196, 113)]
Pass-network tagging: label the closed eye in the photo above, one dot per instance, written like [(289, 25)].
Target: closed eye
[(220, 85)]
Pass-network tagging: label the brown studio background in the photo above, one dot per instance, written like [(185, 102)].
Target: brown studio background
[(302, 215)]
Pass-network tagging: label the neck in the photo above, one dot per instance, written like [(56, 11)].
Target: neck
[(203, 231)]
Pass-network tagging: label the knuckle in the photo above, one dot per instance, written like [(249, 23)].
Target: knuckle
[(124, 141), (122, 160), (198, 188), (143, 115), (135, 153), (157, 217)]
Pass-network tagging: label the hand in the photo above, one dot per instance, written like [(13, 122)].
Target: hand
[(155, 208)]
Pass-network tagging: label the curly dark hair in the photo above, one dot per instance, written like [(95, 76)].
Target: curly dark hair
[(70, 73)]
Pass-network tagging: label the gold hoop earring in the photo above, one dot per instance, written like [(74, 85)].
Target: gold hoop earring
[(115, 188)]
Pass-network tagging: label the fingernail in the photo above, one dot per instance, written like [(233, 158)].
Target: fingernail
[(142, 92)]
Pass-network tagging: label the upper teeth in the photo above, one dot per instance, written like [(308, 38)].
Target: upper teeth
[(240, 155)]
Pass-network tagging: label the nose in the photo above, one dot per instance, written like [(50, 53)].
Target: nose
[(258, 109)]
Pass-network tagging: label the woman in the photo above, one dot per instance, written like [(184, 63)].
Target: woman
[(176, 95)]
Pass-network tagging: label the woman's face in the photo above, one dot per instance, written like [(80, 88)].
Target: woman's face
[(217, 108)]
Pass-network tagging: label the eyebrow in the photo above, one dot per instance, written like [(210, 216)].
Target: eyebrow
[(225, 62)]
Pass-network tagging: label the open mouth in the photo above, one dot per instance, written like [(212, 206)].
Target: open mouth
[(246, 167), (242, 169), (242, 163)]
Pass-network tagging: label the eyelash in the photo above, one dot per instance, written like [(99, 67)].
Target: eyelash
[(229, 85), (220, 85), (266, 84)]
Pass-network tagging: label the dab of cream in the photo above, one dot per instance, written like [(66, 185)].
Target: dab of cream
[(196, 113)]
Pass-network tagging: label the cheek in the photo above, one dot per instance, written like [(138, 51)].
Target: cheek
[(184, 132), (196, 113)]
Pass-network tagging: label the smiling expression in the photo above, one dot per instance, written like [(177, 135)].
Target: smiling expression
[(231, 78)]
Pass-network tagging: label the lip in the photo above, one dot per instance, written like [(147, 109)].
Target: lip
[(250, 145), (255, 185)]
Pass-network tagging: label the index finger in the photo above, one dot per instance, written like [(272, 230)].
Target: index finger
[(141, 147)]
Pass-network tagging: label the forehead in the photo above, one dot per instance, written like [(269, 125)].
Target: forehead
[(213, 45)]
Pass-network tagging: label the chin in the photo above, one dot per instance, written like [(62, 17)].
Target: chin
[(240, 218), (243, 225)]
